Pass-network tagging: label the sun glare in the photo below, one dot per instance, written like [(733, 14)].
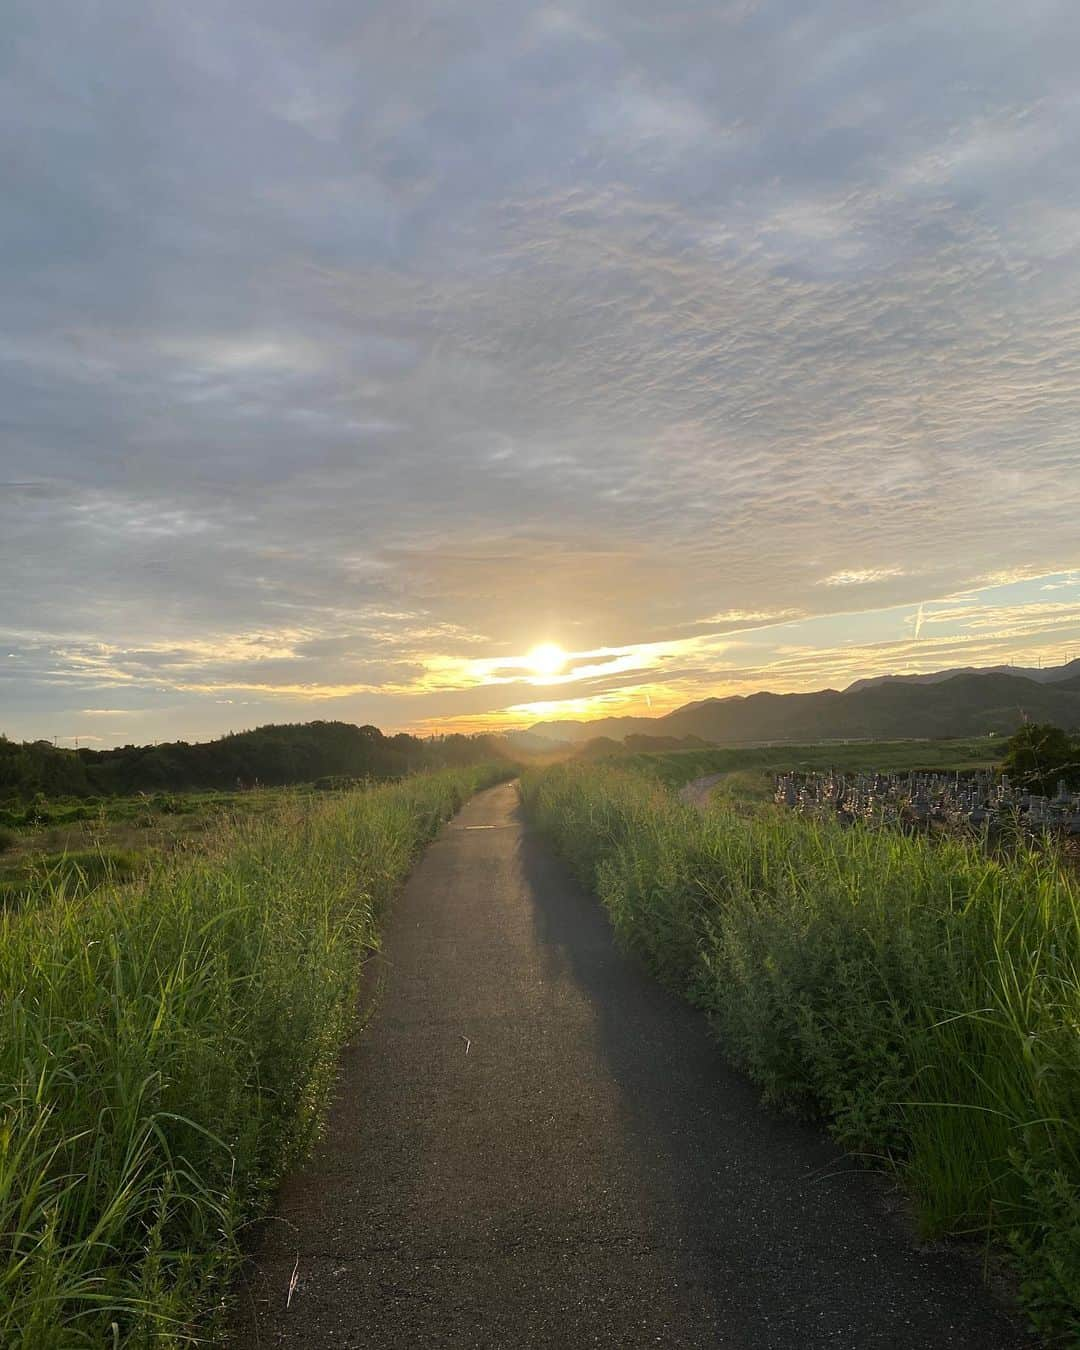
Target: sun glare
[(547, 659)]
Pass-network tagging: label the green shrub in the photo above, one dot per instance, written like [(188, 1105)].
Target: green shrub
[(922, 998)]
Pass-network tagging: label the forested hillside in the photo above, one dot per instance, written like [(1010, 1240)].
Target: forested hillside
[(961, 705), (270, 756)]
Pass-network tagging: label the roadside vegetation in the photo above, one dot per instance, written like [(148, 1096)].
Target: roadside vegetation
[(168, 1045), (919, 996)]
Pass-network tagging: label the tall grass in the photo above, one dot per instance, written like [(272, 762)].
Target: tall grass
[(166, 1049), (921, 997)]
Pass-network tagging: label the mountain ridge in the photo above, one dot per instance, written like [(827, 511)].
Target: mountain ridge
[(1038, 674), (955, 703)]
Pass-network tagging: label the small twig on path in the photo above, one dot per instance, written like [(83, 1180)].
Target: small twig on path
[(468, 1043), (294, 1280)]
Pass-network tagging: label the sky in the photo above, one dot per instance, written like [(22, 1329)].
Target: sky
[(351, 351)]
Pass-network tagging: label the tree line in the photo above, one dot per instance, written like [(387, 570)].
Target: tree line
[(270, 756)]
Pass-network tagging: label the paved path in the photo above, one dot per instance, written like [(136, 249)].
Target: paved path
[(698, 791), (582, 1170)]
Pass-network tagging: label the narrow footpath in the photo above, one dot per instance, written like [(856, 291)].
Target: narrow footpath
[(534, 1145)]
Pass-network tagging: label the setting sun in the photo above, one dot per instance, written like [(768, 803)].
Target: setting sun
[(547, 659)]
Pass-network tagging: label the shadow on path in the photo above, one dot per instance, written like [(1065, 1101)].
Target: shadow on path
[(792, 1242)]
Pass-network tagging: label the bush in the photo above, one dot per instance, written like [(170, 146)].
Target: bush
[(920, 997), (1040, 755)]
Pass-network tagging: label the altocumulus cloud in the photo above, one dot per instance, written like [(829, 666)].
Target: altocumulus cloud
[(348, 347)]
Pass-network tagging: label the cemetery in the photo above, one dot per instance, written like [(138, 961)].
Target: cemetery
[(983, 801)]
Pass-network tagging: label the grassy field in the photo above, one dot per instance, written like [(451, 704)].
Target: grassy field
[(920, 997), (749, 771), (80, 843), (168, 1045)]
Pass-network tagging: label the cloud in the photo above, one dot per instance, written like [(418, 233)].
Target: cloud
[(861, 577), (741, 618), (616, 318)]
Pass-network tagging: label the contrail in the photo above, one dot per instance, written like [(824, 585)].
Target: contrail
[(918, 621)]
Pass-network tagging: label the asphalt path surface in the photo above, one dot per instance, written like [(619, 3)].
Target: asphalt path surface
[(534, 1145), (698, 792)]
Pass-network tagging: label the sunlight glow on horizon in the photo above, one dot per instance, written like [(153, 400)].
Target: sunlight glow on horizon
[(1034, 621), (999, 625)]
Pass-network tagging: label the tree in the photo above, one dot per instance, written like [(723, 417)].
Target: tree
[(1039, 755)]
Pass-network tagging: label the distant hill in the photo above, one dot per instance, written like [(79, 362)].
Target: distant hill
[(528, 743), (1040, 674), (966, 704), (277, 755)]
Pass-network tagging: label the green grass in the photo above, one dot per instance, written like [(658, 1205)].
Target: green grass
[(922, 998), (167, 1049), (43, 813), (43, 874)]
